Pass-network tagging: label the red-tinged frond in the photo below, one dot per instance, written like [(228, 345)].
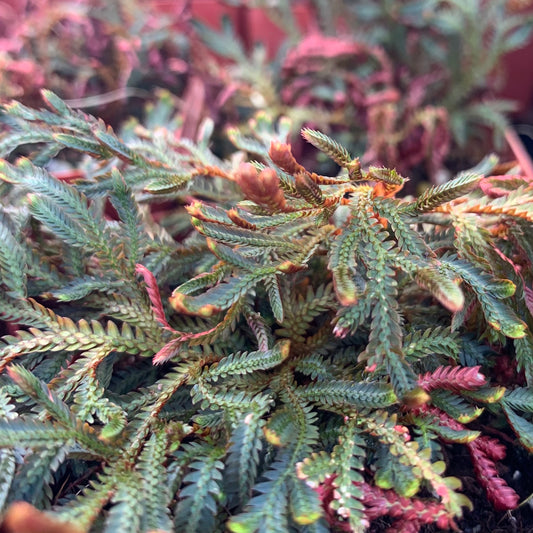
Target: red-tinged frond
[(153, 293), (528, 298), (492, 448), (281, 155), (168, 351), (498, 492), (379, 502), (439, 416), (453, 378), (263, 187)]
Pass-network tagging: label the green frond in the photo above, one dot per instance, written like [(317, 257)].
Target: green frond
[(249, 362), (329, 146), (49, 401), (203, 280), (221, 296), (304, 504), (7, 474), (84, 336), (407, 237), (348, 394), (246, 444), (32, 435), (123, 308), (342, 263), (385, 175), (63, 226), (86, 507), (127, 209), (40, 393), (520, 399), (302, 308), (83, 286), (281, 427), (440, 194), (384, 429), (523, 428), (313, 365), (444, 289), (166, 182), (438, 340), (524, 355), (111, 143), (27, 136), (12, 259), (39, 181), (81, 144), (499, 316), (19, 312), (272, 284), (127, 504), (222, 398), (56, 103), (231, 256), (348, 462), (156, 495), (242, 237), (391, 473), (315, 468), (458, 436), (456, 406), (197, 504), (34, 477), (268, 510), (247, 144)]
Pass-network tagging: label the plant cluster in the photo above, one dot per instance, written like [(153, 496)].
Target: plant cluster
[(409, 85), (209, 344)]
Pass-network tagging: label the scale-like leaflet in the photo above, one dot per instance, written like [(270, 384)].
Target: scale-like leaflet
[(221, 296), (127, 503), (440, 194), (197, 501), (499, 315), (156, 492), (12, 258), (135, 237), (342, 263), (348, 394), (437, 340), (245, 446), (249, 362)]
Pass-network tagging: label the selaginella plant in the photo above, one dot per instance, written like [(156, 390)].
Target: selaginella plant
[(276, 350)]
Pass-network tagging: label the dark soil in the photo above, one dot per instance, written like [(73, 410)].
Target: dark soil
[(517, 470)]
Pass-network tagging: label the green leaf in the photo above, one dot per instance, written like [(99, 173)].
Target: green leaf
[(522, 427), (440, 194), (197, 503), (348, 394), (304, 503), (329, 146), (249, 362), (12, 259), (238, 236), (520, 398), (7, 474)]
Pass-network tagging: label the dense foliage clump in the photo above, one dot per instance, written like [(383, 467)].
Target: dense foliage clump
[(198, 344)]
